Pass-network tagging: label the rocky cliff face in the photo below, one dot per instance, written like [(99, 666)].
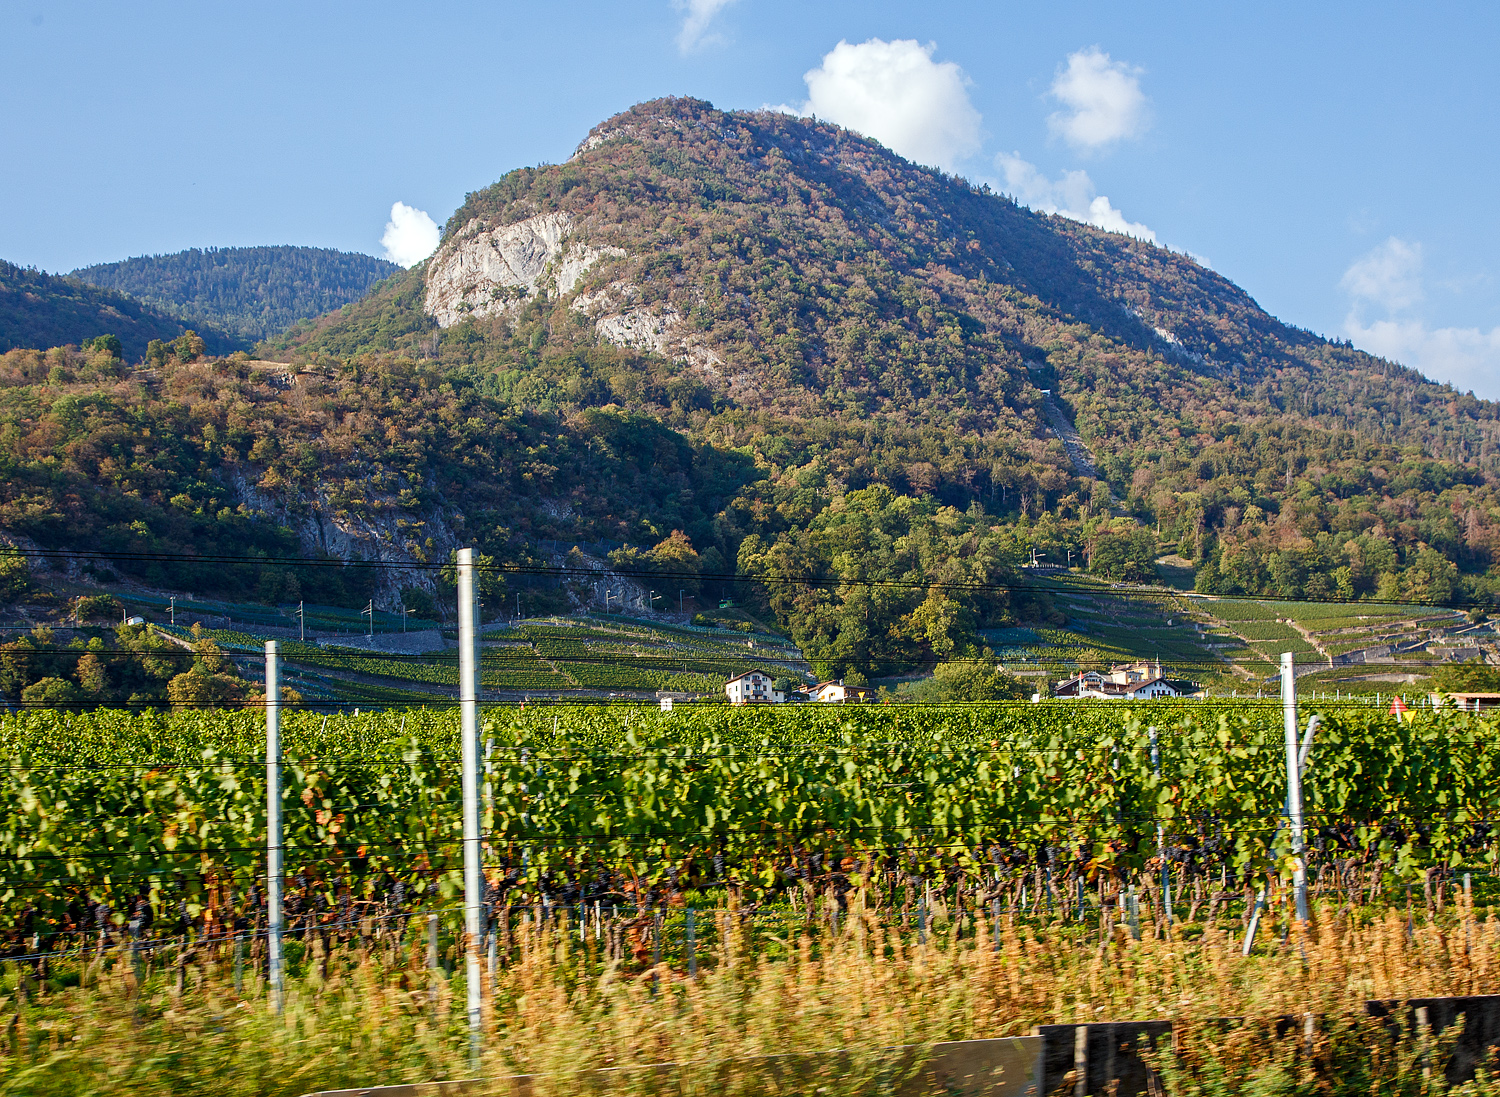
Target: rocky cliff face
[(485, 271), (381, 530)]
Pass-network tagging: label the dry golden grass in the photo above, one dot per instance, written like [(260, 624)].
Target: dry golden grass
[(381, 1018)]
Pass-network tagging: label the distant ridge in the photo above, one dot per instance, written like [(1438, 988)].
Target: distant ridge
[(250, 292), (43, 310)]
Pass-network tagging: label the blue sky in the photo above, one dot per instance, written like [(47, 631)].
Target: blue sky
[(1336, 160)]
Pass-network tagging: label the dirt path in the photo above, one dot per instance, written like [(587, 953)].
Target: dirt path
[(1067, 434)]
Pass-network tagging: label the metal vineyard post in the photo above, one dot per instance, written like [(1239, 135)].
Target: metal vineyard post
[(274, 840), (1293, 781), (468, 700)]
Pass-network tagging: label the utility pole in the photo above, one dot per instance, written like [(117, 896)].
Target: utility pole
[(274, 846), (172, 599), (468, 702), (302, 621), (679, 602), (369, 611), (652, 606), (403, 616), (1293, 780), (518, 605)]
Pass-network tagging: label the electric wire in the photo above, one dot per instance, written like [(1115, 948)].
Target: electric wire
[(1112, 590)]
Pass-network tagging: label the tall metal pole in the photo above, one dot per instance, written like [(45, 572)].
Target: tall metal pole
[(1161, 839), (274, 842), (302, 620), (468, 703), (1293, 781)]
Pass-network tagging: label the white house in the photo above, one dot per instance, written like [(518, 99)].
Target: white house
[(1129, 682), (751, 687), (838, 693)]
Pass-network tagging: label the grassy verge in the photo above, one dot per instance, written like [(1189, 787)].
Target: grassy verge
[(369, 1011)]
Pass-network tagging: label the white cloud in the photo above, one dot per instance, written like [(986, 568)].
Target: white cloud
[(895, 93), (1390, 278), (1467, 358), (1103, 98), (410, 235), (697, 15), (1072, 195)]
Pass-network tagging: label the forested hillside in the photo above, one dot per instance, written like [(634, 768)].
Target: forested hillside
[(249, 292), (810, 357), (41, 310)]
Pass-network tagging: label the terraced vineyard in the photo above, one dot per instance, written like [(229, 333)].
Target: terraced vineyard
[(1105, 626), (318, 617), (618, 655), (609, 655), (1358, 642)]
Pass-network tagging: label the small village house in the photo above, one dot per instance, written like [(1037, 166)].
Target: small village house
[(752, 687), (839, 693), (1469, 702), (1128, 682)]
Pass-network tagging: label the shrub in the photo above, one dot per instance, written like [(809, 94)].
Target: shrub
[(51, 693), (93, 606), (15, 576)]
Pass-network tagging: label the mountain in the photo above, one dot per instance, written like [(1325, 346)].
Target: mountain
[(43, 310), (249, 292), (745, 343)]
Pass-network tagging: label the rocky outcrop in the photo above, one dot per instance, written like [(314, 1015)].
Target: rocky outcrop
[(380, 531), (620, 319), (484, 271), (642, 329)]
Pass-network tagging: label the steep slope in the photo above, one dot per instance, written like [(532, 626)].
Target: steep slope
[(811, 358), (250, 292), (41, 310), (802, 271), (859, 320)]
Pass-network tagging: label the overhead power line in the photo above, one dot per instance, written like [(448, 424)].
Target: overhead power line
[(1114, 590)]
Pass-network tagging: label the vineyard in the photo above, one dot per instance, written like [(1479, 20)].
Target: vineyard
[(905, 874), (577, 654), (622, 806)]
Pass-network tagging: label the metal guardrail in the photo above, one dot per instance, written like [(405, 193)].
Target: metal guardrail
[(1085, 1060), (1006, 1067)]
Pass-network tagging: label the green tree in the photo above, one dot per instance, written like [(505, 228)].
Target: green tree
[(109, 344), (15, 576), (189, 346), (91, 675), (51, 693), (977, 679), (1128, 556)]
